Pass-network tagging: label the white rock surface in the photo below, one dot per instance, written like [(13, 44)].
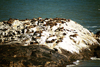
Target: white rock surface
[(54, 33)]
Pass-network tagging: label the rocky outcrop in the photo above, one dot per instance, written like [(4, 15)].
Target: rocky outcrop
[(30, 56), (98, 36), (45, 42), (97, 50)]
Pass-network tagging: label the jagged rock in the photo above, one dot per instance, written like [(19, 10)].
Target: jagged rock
[(98, 36), (36, 55), (12, 55), (97, 50), (37, 40)]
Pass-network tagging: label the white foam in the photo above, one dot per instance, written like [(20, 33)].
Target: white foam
[(70, 65), (94, 58)]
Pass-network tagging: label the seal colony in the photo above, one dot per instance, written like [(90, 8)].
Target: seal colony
[(49, 42), (56, 33)]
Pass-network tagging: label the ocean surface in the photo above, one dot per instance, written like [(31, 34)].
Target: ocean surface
[(84, 12)]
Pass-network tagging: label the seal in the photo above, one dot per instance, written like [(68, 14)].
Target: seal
[(56, 33)]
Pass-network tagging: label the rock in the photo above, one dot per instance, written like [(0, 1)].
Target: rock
[(12, 55), (98, 36), (97, 50), (46, 42), (37, 55)]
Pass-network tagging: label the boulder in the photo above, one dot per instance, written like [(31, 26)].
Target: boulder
[(45, 42)]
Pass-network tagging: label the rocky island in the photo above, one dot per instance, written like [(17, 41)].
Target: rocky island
[(49, 42)]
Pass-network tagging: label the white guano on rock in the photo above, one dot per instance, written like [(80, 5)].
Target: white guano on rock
[(56, 33)]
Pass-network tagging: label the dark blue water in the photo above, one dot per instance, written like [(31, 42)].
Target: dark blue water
[(85, 12), (88, 63)]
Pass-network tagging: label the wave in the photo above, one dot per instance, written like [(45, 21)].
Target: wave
[(74, 64), (94, 58), (92, 26)]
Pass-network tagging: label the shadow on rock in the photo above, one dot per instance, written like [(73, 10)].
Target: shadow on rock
[(27, 56)]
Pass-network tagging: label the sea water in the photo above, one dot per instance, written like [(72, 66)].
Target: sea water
[(84, 12), (94, 62)]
